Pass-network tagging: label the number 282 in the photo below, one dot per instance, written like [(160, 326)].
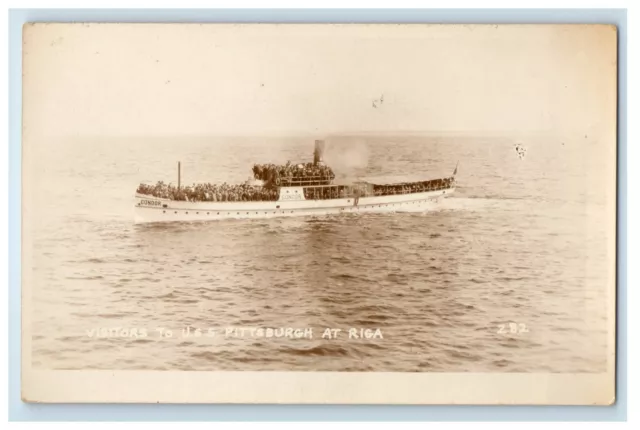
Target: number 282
[(512, 328)]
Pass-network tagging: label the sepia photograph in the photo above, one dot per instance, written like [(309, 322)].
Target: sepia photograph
[(319, 213)]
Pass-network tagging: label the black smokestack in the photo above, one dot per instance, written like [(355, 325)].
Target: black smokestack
[(318, 152)]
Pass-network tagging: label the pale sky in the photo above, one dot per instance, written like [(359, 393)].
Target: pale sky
[(190, 79)]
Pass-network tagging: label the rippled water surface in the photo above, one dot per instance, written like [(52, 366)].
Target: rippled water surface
[(521, 242)]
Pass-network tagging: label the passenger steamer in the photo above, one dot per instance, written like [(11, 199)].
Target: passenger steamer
[(303, 196)]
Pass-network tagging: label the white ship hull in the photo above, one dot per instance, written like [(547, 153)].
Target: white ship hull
[(149, 209)]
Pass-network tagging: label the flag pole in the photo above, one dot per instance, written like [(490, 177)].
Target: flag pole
[(178, 175)]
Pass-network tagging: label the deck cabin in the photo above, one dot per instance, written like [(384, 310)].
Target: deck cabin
[(316, 188)]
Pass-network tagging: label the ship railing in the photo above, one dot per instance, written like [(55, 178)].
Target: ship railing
[(394, 189), (388, 192), (370, 190), (410, 190), (304, 180)]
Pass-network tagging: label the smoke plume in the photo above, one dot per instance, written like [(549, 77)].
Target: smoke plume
[(348, 157)]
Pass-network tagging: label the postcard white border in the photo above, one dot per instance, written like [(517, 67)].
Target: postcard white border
[(80, 386)]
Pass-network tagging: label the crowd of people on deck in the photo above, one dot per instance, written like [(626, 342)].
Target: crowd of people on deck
[(210, 192), (412, 187), (274, 176), (346, 191), (293, 174), (332, 192)]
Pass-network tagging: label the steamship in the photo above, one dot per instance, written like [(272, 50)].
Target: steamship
[(304, 196)]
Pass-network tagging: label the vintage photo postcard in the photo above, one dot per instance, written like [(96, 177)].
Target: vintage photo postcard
[(262, 213)]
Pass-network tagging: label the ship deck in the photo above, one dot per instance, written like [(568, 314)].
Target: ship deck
[(152, 209)]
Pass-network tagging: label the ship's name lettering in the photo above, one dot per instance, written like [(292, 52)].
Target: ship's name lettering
[(150, 203), (290, 197)]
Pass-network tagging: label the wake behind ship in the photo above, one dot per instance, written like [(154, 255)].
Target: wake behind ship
[(284, 191)]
